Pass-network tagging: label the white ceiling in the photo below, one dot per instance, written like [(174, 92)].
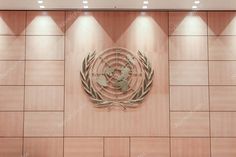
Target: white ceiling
[(119, 4)]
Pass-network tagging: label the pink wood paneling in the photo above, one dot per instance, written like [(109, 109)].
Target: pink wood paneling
[(221, 23), (44, 98), (43, 147), (45, 23), (91, 132), (11, 124), (188, 23), (96, 31), (190, 124), (223, 98), (44, 73), (12, 22), (83, 147), (189, 98), (188, 47), (10, 147), (222, 72), (222, 48), (153, 147), (188, 73), (223, 124), (12, 47), (116, 147), (223, 147), (11, 98), (41, 124), (190, 147), (45, 48), (11, 72)]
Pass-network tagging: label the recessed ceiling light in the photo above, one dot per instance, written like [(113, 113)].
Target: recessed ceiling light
[(194, 7), (144, 7), (145, 2), (40, 1), (197, 2), (41, 6), (85, 6), (85, 2)]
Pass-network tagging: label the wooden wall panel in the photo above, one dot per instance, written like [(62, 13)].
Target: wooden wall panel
[(190, 147), (11, 124), (43, 147), (10, 147), (11, 98), (188, 47), (188, 23), (116, 147), (45, 23), (189, 98), (85, 147), (47, 98), (44, 73), (222, 72), (188, 73), (222, 48), (12, 47), (12, 22), (99, 31), (41, 124), (223, 98), (190, 124), (221, 23), (223, 147), (150, 147), (45, 48), (11, 73), (223, 124)]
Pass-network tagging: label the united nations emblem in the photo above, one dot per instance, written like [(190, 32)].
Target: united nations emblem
[(116, 77)]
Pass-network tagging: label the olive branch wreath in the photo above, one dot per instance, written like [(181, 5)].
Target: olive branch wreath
[(96, 97)]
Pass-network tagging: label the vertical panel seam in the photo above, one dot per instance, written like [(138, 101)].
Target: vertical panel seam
[(23, 133), (169, 82), (209, 97)]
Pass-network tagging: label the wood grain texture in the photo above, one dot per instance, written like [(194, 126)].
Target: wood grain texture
[(45, 48), (11, 98), (10, 147), (11, 73), (189, 98), (43, 124), (12, 22), (44, 98), (45, 23), (223, 147), (11, 124), (84, 147), (222, 72), (221, 23), (43, 147), (223, 124), (222, 48), (44, 73), (81, 118), (188, 73), (190, 124), (12, 47), (153, 147), (188, 23), (223, 98), (116, 147), (190, 147), (188, 47)]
